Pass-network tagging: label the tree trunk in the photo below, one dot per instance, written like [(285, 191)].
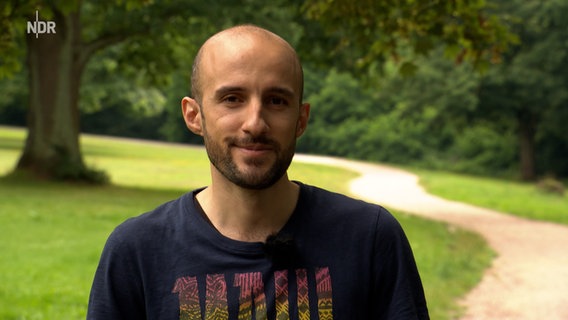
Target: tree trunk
[(527, 133), (54, 61)]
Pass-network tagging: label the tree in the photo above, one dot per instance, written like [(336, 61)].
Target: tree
[(154, 38), (155, 35), (381, 29), (55, 63), (340, 105), (530, 86)]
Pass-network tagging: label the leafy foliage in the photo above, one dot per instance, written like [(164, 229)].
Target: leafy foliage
[(530, 86), (378, 29), (447, 115)]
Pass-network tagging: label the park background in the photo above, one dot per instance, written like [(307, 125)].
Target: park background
[(477, 88)]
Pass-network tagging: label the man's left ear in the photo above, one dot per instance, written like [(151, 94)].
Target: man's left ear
[(303, 119)]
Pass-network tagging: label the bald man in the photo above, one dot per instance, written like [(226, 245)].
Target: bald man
[(253, 244)]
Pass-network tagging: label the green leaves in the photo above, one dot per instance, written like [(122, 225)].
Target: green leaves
[(379, 29)]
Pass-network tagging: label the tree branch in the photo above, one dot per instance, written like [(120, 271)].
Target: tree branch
[(87, 50)]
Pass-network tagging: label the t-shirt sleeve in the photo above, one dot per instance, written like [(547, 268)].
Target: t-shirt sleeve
[(398, 291), (117, 291)]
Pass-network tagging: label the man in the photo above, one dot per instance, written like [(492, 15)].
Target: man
[(253, 244)]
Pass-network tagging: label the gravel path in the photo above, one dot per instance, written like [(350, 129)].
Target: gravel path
[(528, 279)]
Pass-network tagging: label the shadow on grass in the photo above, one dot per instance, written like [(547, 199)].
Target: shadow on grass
[(20, 188), (20, 193), (51, 236), (11, 143)]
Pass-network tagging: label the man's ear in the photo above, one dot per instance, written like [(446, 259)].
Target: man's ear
[(192, 115), (303, 119)]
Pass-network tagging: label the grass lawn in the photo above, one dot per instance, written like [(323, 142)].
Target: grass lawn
[(51, 234), (518, 198)]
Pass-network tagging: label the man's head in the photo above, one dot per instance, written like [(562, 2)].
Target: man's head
[(236, 32), (247, 85)]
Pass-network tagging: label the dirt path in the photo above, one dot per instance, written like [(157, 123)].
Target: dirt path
[(529, 277)]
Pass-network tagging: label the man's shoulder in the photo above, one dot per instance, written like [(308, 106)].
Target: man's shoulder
[(155, 222), (319, 199), (327, 212), (318, 194)]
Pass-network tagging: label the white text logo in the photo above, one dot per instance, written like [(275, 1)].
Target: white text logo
[(38, 26)]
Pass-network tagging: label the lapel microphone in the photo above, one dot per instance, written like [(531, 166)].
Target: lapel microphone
[(280, 248)]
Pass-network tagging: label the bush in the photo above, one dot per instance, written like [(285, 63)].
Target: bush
[(482, 150), (551, 186)]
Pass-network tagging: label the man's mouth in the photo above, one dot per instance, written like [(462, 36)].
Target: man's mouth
[(256, 147)]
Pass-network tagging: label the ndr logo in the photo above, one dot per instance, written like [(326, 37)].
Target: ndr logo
[(38, 27)]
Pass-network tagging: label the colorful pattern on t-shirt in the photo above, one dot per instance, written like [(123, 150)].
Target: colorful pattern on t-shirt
[(252, 300)]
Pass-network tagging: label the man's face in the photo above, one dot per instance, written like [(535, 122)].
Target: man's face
[(250, 112)]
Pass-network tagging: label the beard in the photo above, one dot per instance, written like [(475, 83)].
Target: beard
[(257, 175)]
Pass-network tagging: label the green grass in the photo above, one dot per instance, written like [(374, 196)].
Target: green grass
[(51, 238), (51, 234), (521, 199), (450, 261)]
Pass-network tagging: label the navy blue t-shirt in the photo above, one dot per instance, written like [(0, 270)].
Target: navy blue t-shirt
[(336, 258)]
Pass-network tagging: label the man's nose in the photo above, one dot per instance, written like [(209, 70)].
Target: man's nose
[(255, 122)]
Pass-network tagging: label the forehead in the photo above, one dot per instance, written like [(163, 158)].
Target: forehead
[(249, 59)]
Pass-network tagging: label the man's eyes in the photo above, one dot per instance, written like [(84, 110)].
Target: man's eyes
[(271, 101), (232, 99), (277, 101)]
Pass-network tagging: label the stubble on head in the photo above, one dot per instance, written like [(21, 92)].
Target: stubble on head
[(196, 79)]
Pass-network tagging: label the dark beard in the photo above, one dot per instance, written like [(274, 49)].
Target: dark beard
[(223, 161)]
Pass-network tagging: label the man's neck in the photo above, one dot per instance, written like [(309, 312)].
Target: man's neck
[(249, 215)]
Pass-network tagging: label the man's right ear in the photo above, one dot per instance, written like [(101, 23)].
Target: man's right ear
[(192, 115)]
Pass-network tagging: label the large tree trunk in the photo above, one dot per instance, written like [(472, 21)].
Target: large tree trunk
[(55, 65), (527, 133)]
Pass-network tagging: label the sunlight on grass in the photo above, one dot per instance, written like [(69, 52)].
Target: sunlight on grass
[(450, 261), (522, 199), (159, 165)]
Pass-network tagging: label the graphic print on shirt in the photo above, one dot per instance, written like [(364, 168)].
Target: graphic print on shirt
[(215, 297), (188, 298), (303, 298), (325, 301), (281, 288), (253, 295), (251, 286)]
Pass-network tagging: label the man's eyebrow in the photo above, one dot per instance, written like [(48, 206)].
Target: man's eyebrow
[(281, 90), (227, 89), (221, 91)]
